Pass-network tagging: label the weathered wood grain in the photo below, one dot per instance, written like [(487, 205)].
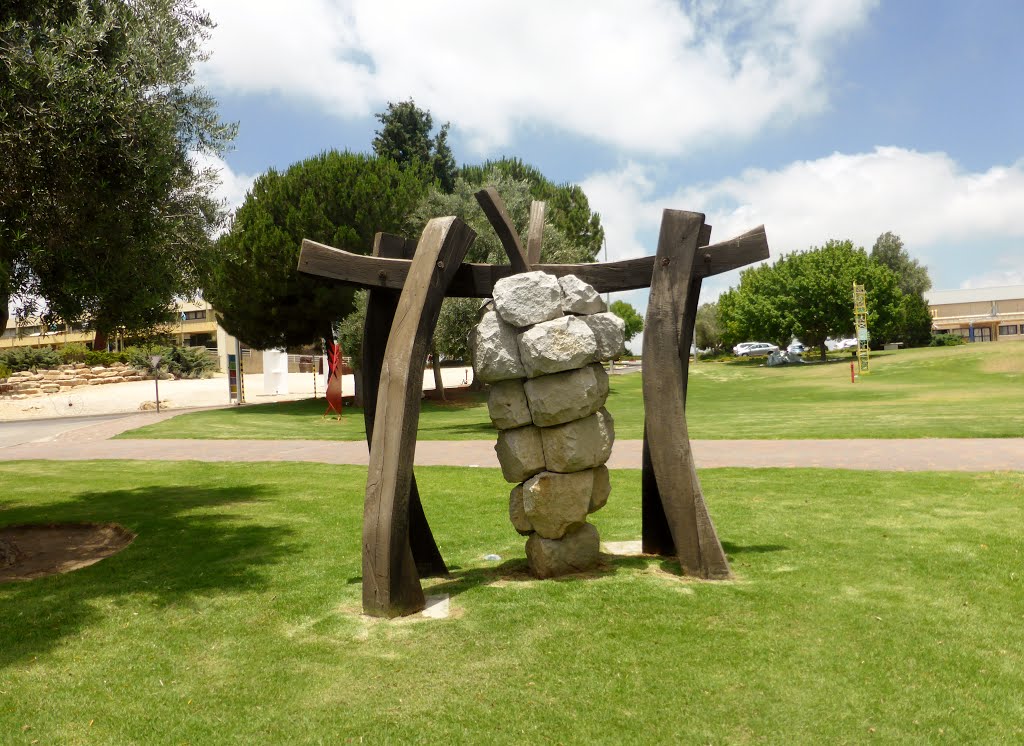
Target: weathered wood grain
[(391, 585), (535, 232), (380, 314), (656, 536), (494, 208), (667, 441), (477, 280)]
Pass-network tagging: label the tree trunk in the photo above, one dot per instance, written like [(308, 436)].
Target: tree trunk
[(438, 383), (5, 315), (823, 349), (99, 342)]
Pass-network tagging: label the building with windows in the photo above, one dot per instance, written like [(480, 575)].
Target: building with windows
[(979, 314), (191, 325)]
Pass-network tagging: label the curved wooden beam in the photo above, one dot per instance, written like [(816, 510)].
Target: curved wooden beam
[(380, 314), (535, 232), (477, 280), (668, 465), (391, 585), (494, 208)]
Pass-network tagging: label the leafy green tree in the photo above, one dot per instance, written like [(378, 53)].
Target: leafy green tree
[(568, 208), (809, 295), (405, 138), (341, 199), (707, 329), (104, 216), (459, 315), (915, 327), (633, 320), (913, 276)]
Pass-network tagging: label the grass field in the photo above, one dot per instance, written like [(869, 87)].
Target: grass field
[(972, 391), (887, 606)]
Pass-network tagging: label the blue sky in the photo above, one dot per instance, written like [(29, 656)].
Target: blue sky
[(838, 119)]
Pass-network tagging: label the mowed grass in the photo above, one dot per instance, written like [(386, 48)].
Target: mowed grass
[(972, 391), (866, 606)]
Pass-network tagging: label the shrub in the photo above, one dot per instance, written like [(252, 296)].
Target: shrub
[(191, 362), (5, 372), (29, 358), (947, 340), (139, 357), (102, 357), (73, 353)]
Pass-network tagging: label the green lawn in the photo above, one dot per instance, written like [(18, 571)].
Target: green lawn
[(867, 606), (973, 391)]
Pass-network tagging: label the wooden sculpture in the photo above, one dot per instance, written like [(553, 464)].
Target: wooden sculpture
[(408, 281)]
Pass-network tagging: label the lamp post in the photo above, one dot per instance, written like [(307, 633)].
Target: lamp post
[(154, 362)]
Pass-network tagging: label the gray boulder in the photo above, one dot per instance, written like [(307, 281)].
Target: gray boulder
[(577, 551), (517, 513), (602, 489), (520, 453), (553, 346), (495, 350), (609, 334), (578, 445), (554, 503), (507, 405), (579, 297), (528, 298), (562, 397)]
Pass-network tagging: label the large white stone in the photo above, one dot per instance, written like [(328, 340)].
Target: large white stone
[(609, 334), (520, 453), (553, 346), (554, 503), (578, 445), (579, 297), (528, 298), (602, 489), (517, 512), (563, 397), (507, 405), (495, 350), (578, 551)]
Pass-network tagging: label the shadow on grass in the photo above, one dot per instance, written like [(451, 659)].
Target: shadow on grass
[(731, 548), (187, 545)]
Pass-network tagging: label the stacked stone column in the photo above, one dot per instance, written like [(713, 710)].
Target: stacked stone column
[(540, 348)]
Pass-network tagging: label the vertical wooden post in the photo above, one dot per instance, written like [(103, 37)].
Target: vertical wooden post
[(669, 475), (380, 313), (391, 584)]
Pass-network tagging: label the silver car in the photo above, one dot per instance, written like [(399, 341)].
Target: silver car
[(754, 349)]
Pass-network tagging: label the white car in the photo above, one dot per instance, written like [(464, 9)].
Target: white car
[(753, 349), (846, 344), (738, 349)]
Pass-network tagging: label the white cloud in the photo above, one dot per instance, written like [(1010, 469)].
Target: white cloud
[(233, 186), (926, 198), (647, 76)]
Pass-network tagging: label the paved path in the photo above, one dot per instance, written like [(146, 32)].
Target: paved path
[(91, 441)]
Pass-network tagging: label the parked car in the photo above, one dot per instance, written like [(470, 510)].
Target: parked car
[(796, 348), (738, 349), (846, 344), (754, 349)]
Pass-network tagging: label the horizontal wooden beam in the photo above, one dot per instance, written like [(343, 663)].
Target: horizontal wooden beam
[(477, 280)]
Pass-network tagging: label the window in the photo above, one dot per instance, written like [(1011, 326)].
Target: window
[(1008, 329), (193, 315)]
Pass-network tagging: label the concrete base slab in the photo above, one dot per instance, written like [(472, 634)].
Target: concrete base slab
[(438, 607), (623, 548)]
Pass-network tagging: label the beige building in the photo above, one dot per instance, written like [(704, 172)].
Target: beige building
[(979, 314), (193, 325)]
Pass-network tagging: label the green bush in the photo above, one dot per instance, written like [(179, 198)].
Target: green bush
[(102, 357), (947, 340), (29, 358), (73, 353), (180, 362), (5, 372), (192, 362)]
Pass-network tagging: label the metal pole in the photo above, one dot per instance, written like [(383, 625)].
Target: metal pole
[(156, 381)]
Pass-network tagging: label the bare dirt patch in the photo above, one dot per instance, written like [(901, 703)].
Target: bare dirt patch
[(35, 551)]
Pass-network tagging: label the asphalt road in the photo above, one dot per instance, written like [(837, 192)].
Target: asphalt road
[(30, 431)]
